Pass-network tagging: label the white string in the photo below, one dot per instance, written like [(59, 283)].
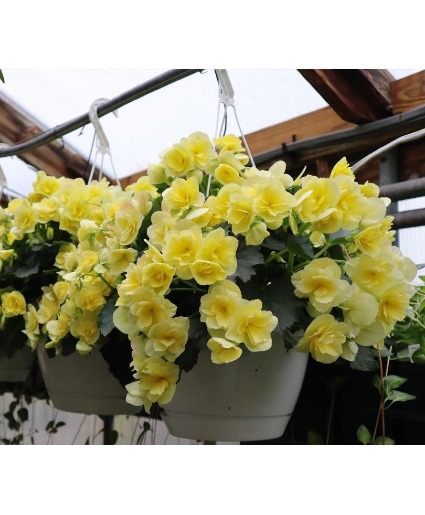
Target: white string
[(402, 139)]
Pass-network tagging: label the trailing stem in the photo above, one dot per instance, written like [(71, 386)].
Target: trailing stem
[(381, 410)]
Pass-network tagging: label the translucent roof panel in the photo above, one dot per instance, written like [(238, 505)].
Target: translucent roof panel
[(145, 127)]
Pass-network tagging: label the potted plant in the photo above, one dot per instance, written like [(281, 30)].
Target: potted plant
[(208, 264)]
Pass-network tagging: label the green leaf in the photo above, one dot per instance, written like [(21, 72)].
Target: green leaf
[(314, 438), (365, 360), (106, 323), (248, 257), (363, 435), (23, 414), (279, 298), (2, 77), (397, 396), (391, 382), (384, 441), (419, 356)]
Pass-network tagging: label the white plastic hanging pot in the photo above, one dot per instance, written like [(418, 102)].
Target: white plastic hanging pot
[(246, 400), (83, 384), (16, 369)]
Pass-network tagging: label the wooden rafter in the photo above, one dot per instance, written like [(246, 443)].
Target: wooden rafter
[(55, 158), (357, 96)]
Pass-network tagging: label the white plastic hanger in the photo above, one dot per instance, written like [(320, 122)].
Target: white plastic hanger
[(226, 96), (102, 143)]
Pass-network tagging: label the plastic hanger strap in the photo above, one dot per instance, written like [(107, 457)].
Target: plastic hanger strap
[(102, 140), (226, 92)]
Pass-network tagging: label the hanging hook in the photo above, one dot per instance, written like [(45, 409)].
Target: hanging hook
[(102, 147), (103, 143)]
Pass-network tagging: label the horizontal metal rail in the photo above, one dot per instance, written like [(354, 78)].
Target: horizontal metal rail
[(108, 106)]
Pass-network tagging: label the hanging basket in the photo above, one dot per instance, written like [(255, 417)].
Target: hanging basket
[(246, 400), (16, 369), (83, 384)]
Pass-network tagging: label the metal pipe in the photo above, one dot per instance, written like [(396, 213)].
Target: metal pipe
[(405, 219), (404, 190), (390, 127), (107, 107)]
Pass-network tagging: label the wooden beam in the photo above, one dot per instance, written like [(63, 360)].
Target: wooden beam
[(358, 96), (408, 93), (316, 123), (55, 158)]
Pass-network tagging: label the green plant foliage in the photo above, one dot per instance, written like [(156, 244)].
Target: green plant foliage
[(363, 435)]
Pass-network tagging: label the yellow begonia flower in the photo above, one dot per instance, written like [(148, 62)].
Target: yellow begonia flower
[(393, 303), (320, 281), (369, 189), (360, 310), (219, 305), (87, 260), (24, 221), (120, 259), (161, 224), (330, 223), (252, 326), (317, 238), (374, 212), (324, 339), (151, 308), (404, 265), (89, 298), (181, 247), (372, 334), (126, 224), (316, 196), (226, 174), (207, 272), (58, 329), (86, 330), (32, 327), (230, 143), (349, 350), (223, 351), (182, 194), (177, 161), (168, 338), (241, 212), (219, 248), (124, 320), (13, 304), (372, 239), (201, 148), (157, 383), (342, 168), (158, 277), (143, 184), (45, 184), (257, 234), (278, 170), (46, 210), (48, 306), (6, 254), (129, 288), (157, 174), (273, 202), (374, 274)]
